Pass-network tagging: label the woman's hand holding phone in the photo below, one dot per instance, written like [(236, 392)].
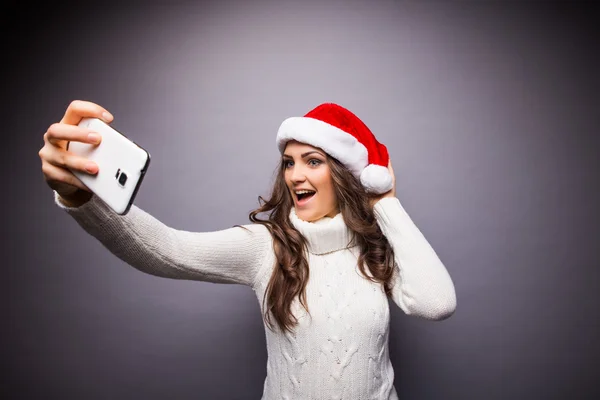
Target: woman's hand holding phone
[(57, 161)]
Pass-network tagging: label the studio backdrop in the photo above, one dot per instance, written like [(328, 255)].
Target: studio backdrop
[(489, 112)]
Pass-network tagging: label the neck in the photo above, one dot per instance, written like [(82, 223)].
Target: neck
[(326, 235)]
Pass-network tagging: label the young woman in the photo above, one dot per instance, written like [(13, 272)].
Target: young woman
[(335, 245)]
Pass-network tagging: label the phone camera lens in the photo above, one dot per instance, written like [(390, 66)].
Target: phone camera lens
[(122, 178)]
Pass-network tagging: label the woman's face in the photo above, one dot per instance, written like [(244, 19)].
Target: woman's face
[(306, 169)]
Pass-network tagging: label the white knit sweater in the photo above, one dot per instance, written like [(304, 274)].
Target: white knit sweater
[(340, 350)]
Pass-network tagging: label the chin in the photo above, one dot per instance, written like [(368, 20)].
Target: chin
[(307, 216)]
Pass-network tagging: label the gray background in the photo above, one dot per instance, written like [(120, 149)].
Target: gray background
[(490, 113)]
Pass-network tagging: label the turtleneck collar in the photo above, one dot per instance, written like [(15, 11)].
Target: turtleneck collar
[(325, 235)]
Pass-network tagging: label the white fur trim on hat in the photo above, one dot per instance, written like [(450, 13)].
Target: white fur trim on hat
[(334, 141), (376, 179)]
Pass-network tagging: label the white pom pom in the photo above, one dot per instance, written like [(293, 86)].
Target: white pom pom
[(376, 179)]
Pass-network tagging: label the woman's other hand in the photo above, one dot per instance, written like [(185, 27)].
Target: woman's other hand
[(391, 192)]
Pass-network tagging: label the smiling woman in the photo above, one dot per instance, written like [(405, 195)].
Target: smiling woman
[(308, 177), (335, 245)]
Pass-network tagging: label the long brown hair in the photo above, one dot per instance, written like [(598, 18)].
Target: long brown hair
[(290, 277)]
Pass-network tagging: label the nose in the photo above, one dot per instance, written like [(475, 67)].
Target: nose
[(297, 174)]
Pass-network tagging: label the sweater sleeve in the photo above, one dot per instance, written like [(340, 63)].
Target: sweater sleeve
[(233, 255), (421, 285)]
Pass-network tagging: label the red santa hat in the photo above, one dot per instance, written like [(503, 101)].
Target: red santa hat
[(343, 136)]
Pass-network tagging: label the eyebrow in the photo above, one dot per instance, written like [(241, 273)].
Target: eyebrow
[(304, 154)]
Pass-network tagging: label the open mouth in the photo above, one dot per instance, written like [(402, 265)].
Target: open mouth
[(304, 196)]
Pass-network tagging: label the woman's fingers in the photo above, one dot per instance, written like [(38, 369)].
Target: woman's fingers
[(392, 170), (59, 133), (68, 160), (79, 109), (57, 162), (62, 180)]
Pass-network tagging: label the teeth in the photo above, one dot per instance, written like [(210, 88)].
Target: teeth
[(304, 191)]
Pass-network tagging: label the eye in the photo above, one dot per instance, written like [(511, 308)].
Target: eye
[(286, 163), (315, 163)]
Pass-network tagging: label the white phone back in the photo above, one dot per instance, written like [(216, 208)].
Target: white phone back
[(115, 155)]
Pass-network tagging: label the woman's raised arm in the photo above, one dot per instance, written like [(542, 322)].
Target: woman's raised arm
[(233, 255), (422, 285)]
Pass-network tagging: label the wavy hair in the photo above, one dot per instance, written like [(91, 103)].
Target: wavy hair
[(290, 277)]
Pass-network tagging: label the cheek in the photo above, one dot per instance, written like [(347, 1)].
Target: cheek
[(326, 183), (286, 178)]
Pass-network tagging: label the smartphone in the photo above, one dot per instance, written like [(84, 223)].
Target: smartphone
[(122, 165)]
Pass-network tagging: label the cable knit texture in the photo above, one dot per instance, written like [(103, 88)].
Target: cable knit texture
[(340, 350)]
